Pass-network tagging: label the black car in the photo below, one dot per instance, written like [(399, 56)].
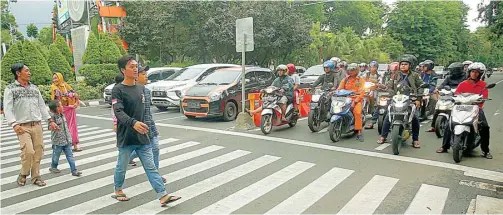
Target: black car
[(311, 75), (219, 93)]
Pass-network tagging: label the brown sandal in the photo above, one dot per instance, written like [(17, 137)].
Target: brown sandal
[(416, 144), (21, 180), (39, 182)]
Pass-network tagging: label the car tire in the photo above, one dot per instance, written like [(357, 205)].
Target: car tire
[(162, 108), (230, 111)]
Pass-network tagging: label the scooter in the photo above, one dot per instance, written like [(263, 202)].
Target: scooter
[(425, 101), (443, 108), (464, 123), (382, 107), (369, 92), (271, 111), (342, 121), (320, 104)]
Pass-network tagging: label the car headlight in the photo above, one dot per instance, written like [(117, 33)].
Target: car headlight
[(215, 96)]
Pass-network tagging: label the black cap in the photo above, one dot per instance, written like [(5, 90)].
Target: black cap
[(144, 69)]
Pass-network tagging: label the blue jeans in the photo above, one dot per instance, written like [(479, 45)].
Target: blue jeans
[(154, 141), (56, 152), (145, 154)]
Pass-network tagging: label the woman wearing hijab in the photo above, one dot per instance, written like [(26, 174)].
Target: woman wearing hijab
[(63, 92)]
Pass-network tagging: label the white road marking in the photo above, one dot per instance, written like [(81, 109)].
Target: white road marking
[(488, 205), (370, 196), (178, 117), (104, 201), (305, 198), (382, 146), (499, 81), (481, 185), (428, 200), (240, 198), (323, 130), (469, 171)]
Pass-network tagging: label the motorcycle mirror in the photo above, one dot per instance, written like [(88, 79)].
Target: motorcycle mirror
[(491, 86)]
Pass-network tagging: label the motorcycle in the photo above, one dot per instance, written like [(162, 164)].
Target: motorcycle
[(341, 120), (271, 111), (369, 92), (464, 123), (382, 107), (401, 112), (443, 108), (320, 104), (425, 102)]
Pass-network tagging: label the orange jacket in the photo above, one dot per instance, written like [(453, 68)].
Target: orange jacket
[(356, 84)]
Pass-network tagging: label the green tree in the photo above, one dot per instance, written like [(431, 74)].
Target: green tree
[(12, 56), (42, 49), (40, 72), (8, 25), (92, 53), (492, 14), (109, 52), (117, 40), (58, 63), (359, 15), (45, 36), (96, 74), (64, 48), (32, 30)]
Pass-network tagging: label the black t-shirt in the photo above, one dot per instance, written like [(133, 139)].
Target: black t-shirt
[(129, 107)]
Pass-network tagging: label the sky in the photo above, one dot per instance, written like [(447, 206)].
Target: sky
[(39, 12)]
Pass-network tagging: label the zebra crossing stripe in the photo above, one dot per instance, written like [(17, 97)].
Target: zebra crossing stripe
[(206, 185), (370, 196), (241, 198), (105, 167), (48, 138), (104, 201), (428, 200), (305, 198), (8, 127), (99, 184), (13, 136)]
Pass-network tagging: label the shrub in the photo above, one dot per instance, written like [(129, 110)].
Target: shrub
[(12, 56), (92, 52), (45, 90), (85, 92), (117, 40), (64, 49), (41, 48), (96, 74), (40, 72), (109, 52), (57, 63)]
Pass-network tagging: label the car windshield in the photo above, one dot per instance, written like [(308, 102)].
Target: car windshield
[(221, 77), (185, 74), (314, 70)]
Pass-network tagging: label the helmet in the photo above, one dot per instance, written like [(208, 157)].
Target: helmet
[(374, 63), (421, 64), (291, 68), (411, 59), (281, 67), (394, 66), (353, 66), (429, 64), (477, 66), (329, 64), (467, 62), (343, 64), (336, 60), (456, 69), (363, 65)]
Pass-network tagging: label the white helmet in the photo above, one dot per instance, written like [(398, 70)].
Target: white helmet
[(478, 66), (467, 62), (336, 61)]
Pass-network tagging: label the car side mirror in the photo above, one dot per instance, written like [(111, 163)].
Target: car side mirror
[(491, 86)]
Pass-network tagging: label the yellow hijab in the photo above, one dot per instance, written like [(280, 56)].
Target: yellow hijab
[(63, 88)]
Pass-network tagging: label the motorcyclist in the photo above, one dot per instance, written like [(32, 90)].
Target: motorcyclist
[(340, 73), (328, 77), (429, 77), (363, 70), (473, 85), (284, 82), (405, 77), (296, 83), (374, 77), (355, 84), (455, 77), (466, 63)]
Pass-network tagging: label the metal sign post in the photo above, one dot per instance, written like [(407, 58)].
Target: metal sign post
[(243, 79), (244, 43)]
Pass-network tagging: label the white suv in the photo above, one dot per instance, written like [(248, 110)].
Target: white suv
[(167, 93)]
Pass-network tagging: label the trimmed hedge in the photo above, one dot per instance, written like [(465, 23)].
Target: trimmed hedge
[(96, 74), (12, 56), (85, 92), (40, 71), (109, 51), (92, 52), (57, 63), (64, 49)]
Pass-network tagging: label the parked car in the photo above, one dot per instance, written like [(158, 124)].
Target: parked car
[(167, 93), (219, 93), (300, 70), (153, 75), (311, 75)]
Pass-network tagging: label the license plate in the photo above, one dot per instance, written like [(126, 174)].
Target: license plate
[(193, 105), (158, 93), (464, 107)]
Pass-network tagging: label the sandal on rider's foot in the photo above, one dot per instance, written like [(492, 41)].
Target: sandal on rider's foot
[(487, 155), (369, 126), (430, 130), (39, 182), (21, 180), (441, 150), (381, 141), (416, 145)]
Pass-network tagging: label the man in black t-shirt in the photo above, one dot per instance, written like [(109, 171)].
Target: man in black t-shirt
[(128, 101)]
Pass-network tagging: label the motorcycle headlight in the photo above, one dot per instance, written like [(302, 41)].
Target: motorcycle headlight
[(215, 96), (336, 109), (315, 98), (399, 105)]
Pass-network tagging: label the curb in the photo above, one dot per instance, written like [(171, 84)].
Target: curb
[(94, 103)]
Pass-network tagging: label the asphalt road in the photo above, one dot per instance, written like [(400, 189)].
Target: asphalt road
[(219, 170)]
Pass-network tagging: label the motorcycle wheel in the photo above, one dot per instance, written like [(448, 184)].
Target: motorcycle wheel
[(396, 138), (313, 121), (380, 122), (334, 131), (293, 121), (440, 126), (266, 124), (457, 147)]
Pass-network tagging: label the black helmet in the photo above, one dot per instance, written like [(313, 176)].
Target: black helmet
[(411, 59), (429, 64), (456, 69)]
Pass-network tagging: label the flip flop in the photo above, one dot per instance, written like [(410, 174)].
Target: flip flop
[(39, 182), (116, 197), (19, 182), (169, 200)]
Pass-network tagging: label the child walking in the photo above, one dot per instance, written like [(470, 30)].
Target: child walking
[(61, 139)]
